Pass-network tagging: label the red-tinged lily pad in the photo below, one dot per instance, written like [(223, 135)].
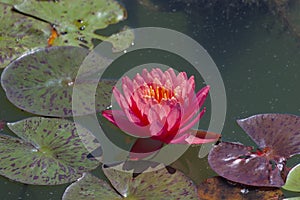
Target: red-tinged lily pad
[(293, 179), (48, 152), (217, 188), (277, 137), (75, 20), (42, 82), (19, 34), (153, 184)]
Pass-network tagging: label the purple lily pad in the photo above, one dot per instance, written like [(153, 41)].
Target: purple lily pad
[(42, 82), (48, 152), (277, 137)]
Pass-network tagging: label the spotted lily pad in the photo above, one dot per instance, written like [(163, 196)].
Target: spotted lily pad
[(48, 152), (277, 137), (11, 2), (42, 82), (89, 187), (19, 34), (75, 20), (293, 179), (153, 184)]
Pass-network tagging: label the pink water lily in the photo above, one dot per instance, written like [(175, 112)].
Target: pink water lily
[(161, 106)]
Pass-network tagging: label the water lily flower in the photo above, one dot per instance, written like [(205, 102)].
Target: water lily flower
[(161, 106)]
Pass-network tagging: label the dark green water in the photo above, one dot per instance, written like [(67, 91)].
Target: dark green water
[(257, 57)]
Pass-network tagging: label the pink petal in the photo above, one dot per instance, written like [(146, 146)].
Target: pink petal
[(196, 137), (193, 122), (124, 124), (144, 147)]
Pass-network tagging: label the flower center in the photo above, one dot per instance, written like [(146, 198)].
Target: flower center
[(157, 92)]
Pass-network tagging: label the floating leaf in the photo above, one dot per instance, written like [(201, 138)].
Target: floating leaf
[(11, 2), (121, 40), (50, 152), (154, 183), (42, 82), (218, 188), (19, 34), (89, 187), (75, 20), (277, 137), (293, 179)]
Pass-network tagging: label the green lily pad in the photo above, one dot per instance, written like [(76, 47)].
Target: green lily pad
[(48, 152), (42, 82), (75, 20), (11, 2), (19, 34), (89, 187), (153, 184), (293, 179)]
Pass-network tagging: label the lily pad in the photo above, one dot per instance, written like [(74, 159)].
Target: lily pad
[(217, 188), (277, 137), (19, 34), (50, 152), (75, 20), (11, 2), (42, 82), (293, 179), (156, 184), (89, 187)]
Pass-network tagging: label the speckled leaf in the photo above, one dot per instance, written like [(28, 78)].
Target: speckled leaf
[(42, 82), (277, 137), (49, 152), (121, 40), (75, 20), (217, 188), (89, 187), (293, 179), (19, 34), (153, 184), (11, 2), (275, 131)]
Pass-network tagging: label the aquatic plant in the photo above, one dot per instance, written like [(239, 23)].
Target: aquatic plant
[(155, 182), (28, 25), (48, 151), (42, 81), (277, 137), (293, 179), (161, 106)]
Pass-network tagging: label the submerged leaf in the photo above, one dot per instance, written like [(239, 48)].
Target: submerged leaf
[(75, 20), (293, 179), (42, 82), (89, 187), (19, 34), (277, 137), (50, 151), (218, 188)]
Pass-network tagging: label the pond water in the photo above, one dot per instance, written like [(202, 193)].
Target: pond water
[(257, 56)]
